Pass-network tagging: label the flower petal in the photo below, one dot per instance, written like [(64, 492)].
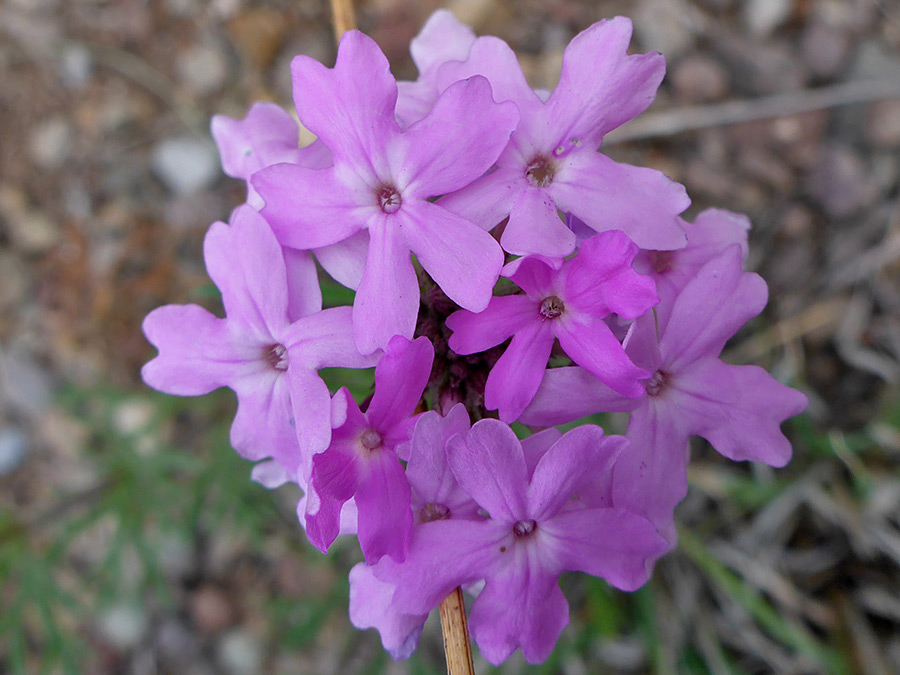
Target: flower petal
[(304, 293), (325, 340), (710, 310), (458, 141), (400, 379), (371, 607), (515, 378), (578, 457), (311, 403), (601, 87), (312, 208), (725, 401), (489, 199), (643, 203), (463, 259), (247, 265), (610, 543), (385, 514), (519, 607), (387, 301), (197, 351), (535, 226), (650, 476), (505, 315), (346, 260), (591, 344), (267, 135), (489, 465), (570, 393), (350, 107)]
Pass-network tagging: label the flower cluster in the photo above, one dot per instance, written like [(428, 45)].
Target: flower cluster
[(420, 196)]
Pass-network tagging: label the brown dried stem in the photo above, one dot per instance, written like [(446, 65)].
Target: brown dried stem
[(342, 17), (457, 647)]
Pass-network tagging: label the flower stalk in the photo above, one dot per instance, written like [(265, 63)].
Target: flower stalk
[(456, 634)]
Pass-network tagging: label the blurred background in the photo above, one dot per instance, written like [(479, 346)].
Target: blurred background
[(131, 539)]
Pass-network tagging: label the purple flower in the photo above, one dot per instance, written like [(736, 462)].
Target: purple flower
[(570, 305), (738, 409), (361, 461), (535, 531), (552, 162), (382, 181), (283, 405)]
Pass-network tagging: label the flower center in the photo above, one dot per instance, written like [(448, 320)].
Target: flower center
[(277, 356), (540, 171), (552, 307), (656, 383), (431, 512), (370, 439), (524, 528), (389, 198), (662, 261)]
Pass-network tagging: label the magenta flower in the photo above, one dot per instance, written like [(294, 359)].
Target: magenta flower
[(535, 531), (568, 305), (283, 405), (382, 181), (552, 163), (738, 409), (362, 462)]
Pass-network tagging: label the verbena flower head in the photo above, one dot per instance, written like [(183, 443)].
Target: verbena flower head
[(401, 188)]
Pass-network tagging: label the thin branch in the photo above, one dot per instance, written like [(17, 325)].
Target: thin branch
[(457, 647), (342, 17), (691, 118)]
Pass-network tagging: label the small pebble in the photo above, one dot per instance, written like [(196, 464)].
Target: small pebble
[(203, 68), (240, 654), (76, 65), (699, 78), (186, 164), (883, 127), (211, 609), (13, 448), (764, 16), (122, 626), (51, 143)]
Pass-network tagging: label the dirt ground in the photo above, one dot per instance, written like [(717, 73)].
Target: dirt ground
[(786, 110)]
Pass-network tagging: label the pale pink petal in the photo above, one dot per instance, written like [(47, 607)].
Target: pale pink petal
[(262, 425), (610, 543), (725, 402), (643, 203), (335, 479), (519, 608), (197, 351), (304, 294), (371, 606), (350, 108), (312, 208), (387, 301), (590, 343), (601, 87), (247, 265), (575, 459), (489, 199), (267, 135), (442, 154), (650, 476), (346, 260), (442, 38), (492, 57), (536, 445), (570, 393), (505, 315), (710, 310), (515, 378), (311, 403), (442, 555), (463, 259), (325, 340), (490, 467), (536, 227), (270, 474)]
